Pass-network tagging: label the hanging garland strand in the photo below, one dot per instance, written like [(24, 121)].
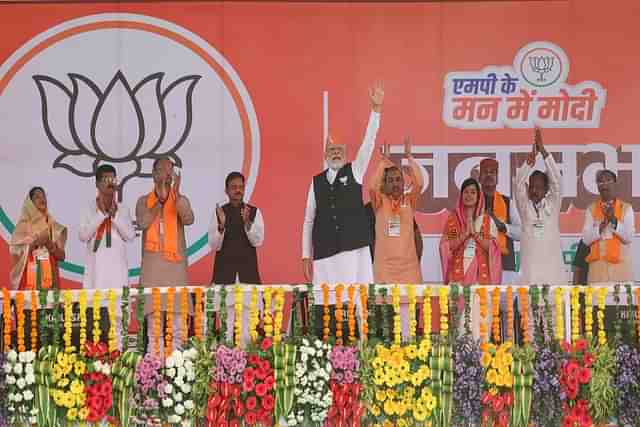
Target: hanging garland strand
[(211, 320), (43, 330), (6, 317), (364, 313), (97, 333), (82, 305), (20, 322), (372, 326), (466, 293), (34, 321), (140, 302), (588, 314)]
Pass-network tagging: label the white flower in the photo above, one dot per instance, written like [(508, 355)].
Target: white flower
[(188, 365), (191, 376), (186, 388), (17, 397), (179, 382), (28, 395), (11, 408), (171, 373), (12, 356), (179, 409), (181, 372), (179, 359), (192, 353), (304, 357), (170, 362), (173, 419), (7, 368), (18, 368), (32, 420), (178, 397), (28, 368), (34, 411), (167, 402), (305, 342), (188, 404), (30, 356), (21, 383), (11, 380), (30, 379), (168, 389)]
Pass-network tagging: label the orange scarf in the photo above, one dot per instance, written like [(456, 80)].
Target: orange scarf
[(500, 212), (170, 217), (612, 245), (37, 268)]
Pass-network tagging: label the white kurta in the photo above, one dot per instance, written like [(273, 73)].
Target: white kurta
[(540, 246), (347, 267), (106, 268)]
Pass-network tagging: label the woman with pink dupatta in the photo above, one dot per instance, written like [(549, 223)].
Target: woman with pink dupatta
[(469, 250)]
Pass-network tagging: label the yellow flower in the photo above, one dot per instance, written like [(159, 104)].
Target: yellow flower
[(83, 413), (77, 387), (430, 401), (402, 423), (389, 407), (492, 376), (378, 378), (375, 410), (387, 423), (79, 368), (410, 391), (72, 414), (420, 412), (508, 380), (411, 351), (486, 359), (499, 380), (391, 394), (63, 382), (380, 395)]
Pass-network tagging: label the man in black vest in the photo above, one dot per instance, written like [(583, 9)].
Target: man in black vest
[(336, 232), (236, 230)]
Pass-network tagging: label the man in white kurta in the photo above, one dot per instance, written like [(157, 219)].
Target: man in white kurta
[(539, 200), (354, 264)]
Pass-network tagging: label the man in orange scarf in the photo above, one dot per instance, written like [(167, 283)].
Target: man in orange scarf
[(505, 215), (608, 231)]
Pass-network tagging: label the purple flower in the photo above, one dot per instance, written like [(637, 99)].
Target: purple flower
[(467, 386), (230, 364), (546, 407), (626, 383), (345, 364)]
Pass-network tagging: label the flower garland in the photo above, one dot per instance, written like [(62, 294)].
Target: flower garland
[(277, 320), (68, 315), (140, 310), (482, 296), (43, 330), (82, 305), (21, 387), (602, 333), (168, 327), (148, 390), (364, 313), (179, 375), (254, 316), (57, 319), (157, 313), (397, 326), (113, 339), (411, 299), (351, 313), (495, 305), (124, 312), (184, 315), (339, 313), (238, 304), (466, 294), (444, 311), (426, 313), (523, 299), (97, 333), (387, 316), (34, 321), (210, 315), (223, 314), (20, 322), (373, 309), (509, 313), (498, 398), (588, 313), (326, 318), (124, 403), (267, 319), (311, 315), (6, 316), (629, 325), (575, 314), (617, 327), (197, 314), (559, 314), (313, 395), (523, 361)]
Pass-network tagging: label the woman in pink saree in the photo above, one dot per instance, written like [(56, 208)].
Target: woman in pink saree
[(469, 251)]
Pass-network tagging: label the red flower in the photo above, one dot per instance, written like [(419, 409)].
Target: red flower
[(584, 375), (498, 403), (270, 381), (248, 385), (508, 399), (571, 368), (248, 374), (486, 398), (239, 408), (214, 401), (234, 423), (581, 345), (222, 423), (572, 392), (588, 360), (261, 374), (261, 389), (254, 360), (266, 344), (251, 403), (503, 419), (566, 347), (251, 417), (268, 403), (265, 365)]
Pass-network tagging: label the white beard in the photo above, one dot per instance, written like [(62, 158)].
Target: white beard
[(335, 164)]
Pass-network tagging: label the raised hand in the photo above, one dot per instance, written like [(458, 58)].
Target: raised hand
[(222, 219), (376, 95), (407, 147), (538, 144), (307, 269), (177, 179)]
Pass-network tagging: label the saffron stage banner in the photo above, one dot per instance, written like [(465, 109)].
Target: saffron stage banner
[(256, 87)]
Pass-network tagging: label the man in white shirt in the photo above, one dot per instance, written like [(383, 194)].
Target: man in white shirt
[(336, 232), (608, 231), (236, 230), (539, 204)]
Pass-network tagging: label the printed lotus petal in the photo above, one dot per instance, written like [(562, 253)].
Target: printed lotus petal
[(79, 164), (148, 94), (178, 105), (84, 101)]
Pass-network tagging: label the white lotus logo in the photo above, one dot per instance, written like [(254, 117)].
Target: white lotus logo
[(121, 124)]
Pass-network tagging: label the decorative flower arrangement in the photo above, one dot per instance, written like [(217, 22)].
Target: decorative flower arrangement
[(179, 374), (346, 406), (258, 381), (546, 408), (469, 377), (402, 394), (21, 387), (4, 416), (626, 384), (204, 368), (67, 386), (575, 374), (123, 372), (98, 381), (312, 392), (498, 398), (224, 405), (148, 391)]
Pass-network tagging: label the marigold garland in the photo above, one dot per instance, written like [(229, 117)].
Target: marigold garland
[(267, 319), (575, 314), (113, 339), (523, 293), (482, 296), (6, 316), (184, 315), (364, 312), (588, 313), (34, 321), (413, 324), (559, 294), (97, 301), (426, 313), (238, 303), (326, 318), (339, 316), (279, 315), (509, 313), (68, 315), (254, 316), (198, 314), (168, 327), (82, 305), (157, 321), (495, 320), (20, 322), (444, 311), (602, 297), (397, 322), (351, 313)]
